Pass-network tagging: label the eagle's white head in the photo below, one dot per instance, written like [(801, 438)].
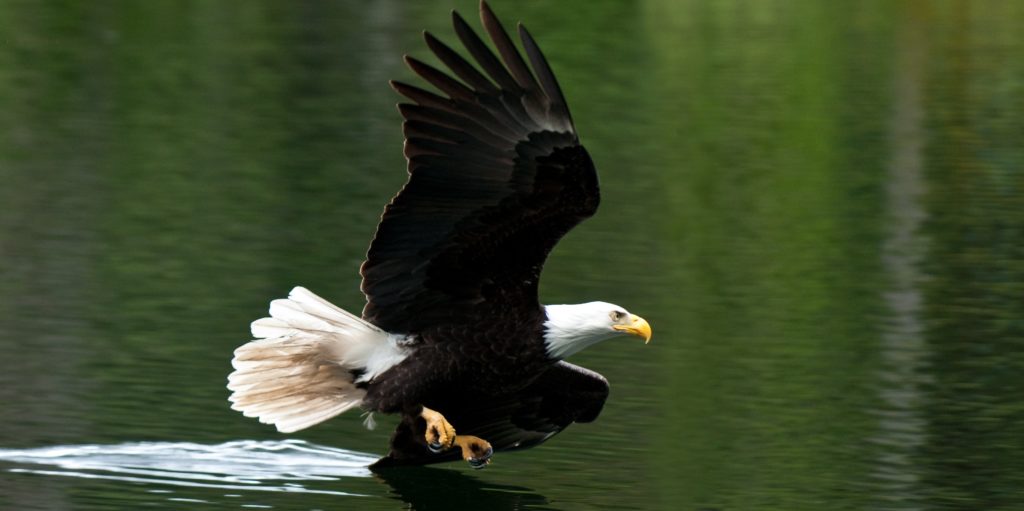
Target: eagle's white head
[(570, 328)]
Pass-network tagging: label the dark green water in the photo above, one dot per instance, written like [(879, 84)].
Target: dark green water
[(819, 206)]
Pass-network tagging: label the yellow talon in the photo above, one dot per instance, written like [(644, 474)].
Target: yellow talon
[(440, 435), (476, 451)]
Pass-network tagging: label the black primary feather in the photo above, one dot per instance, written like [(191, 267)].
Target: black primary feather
[(497, 177)]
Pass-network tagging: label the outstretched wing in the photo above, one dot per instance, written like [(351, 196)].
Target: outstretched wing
[(497, 177), (564, 394)]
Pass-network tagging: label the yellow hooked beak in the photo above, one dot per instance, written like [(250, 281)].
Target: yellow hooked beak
[(637, 326)]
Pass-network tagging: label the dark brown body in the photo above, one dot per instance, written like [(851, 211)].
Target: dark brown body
[(459, 363)]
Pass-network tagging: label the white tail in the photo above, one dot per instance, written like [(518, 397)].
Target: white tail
[(298, 371)]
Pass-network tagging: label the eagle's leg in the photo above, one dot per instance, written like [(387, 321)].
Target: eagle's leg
[(475, 450), (440, 434)]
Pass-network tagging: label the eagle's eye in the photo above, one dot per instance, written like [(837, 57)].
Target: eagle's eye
[(617, 316)]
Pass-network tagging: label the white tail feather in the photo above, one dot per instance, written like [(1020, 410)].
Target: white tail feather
[(298, 371)]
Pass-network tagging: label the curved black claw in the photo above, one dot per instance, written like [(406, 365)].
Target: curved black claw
[(436, 447), (481, 461)]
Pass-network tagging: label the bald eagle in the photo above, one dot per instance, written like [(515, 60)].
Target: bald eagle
[(453, 336)]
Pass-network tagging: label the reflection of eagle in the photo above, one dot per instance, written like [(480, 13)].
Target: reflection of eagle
[(453, 336)]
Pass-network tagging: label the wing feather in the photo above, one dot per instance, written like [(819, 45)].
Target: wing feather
[(484, 56), (496, 177), (507, 49), (443, 82), (546, 76), (459, 65)]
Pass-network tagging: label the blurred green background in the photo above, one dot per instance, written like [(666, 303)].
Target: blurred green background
[(819, 206)]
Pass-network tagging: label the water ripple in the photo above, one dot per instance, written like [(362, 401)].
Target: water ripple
[(275, 466)]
